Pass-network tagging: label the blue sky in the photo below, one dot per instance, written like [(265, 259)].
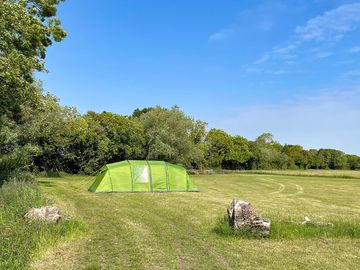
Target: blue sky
[(291, 68)]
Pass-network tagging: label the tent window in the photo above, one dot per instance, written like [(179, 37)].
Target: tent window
[(140, 174)]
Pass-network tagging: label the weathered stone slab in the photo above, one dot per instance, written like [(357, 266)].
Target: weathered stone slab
[(242, 215), (45, 213)]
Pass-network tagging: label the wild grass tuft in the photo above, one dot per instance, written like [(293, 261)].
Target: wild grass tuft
[(288, 230), (224, 229), (21, 240)]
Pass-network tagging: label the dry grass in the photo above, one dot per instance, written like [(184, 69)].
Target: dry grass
[(178, 230)]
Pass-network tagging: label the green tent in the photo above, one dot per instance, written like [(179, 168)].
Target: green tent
[(142, 176)]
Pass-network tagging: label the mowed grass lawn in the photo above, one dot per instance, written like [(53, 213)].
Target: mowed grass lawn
[(177, 230)]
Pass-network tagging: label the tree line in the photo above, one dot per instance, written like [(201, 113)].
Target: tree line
[(38, 134), (51, 137)]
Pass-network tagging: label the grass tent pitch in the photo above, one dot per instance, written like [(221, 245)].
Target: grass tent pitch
[(142, 176)]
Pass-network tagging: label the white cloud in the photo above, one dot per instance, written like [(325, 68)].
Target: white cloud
[(355, 49), (311, 40), (328, 120), (261, 17), (323, 54), (352, 73), (277, 72), (262, 59), (285, 50), (270, 71), (332, 25), (221, 35)]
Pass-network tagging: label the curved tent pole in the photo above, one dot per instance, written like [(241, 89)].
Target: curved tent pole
[(150, 176), (112, 187), (187, 182), (132, 178), (167, 176)]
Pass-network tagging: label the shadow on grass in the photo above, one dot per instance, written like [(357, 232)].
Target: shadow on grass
[(292, 231), (52, 174), (46, 183)]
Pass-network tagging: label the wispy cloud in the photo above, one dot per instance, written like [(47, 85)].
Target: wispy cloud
[(268, 71), (355, 49), (309, 38), (323, 54), (277, 72), (352, 73), (221, 34), (326, 120), (262, 59), (332, 25), (259, 18)]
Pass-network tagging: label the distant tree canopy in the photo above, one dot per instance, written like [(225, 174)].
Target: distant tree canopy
[(57, 138), (172, 136), (139, 112), (353, 162), (38, 134)]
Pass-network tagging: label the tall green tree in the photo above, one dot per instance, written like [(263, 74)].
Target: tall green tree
[(196, 158), (218, 147), (266, 154), (239, 156), (314, 161), (125, 136), (225, 151), (54, 129), (27, 28), (172, 136), (15, 153), (297, 154), (331, 159), (353, 162)]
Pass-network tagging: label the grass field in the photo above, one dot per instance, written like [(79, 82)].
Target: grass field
[(180, 230), (314, 173)]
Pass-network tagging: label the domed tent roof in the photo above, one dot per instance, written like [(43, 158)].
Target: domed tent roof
[(142, 176)]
